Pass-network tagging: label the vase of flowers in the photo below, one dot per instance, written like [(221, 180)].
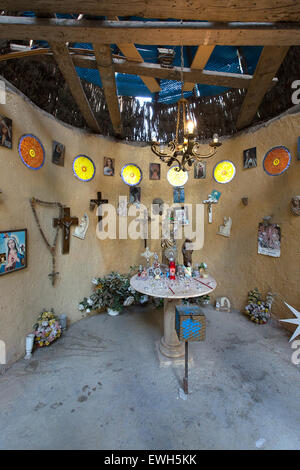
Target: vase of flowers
[(112, 292)]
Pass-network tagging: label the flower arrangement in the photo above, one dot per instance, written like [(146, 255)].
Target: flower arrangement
[(258, 310), (112, 291), (47, 329)]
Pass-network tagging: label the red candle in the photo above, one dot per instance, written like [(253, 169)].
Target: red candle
[(172, 269)]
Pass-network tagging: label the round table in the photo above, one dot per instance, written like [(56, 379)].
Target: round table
[(172, 292)]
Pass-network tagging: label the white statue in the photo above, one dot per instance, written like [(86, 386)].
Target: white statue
[(122, 206), (223, 304), (81, 229), (225, 229)]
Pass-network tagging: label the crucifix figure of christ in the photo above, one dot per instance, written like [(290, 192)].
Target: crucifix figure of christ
[(210, 201), (65, 222), (144, 220), (98, 202)]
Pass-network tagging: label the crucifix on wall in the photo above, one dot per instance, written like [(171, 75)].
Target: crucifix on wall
[(98, 202), (65, 222)]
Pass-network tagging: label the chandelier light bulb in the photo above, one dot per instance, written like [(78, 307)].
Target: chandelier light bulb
[(190, 127), (215, 138)]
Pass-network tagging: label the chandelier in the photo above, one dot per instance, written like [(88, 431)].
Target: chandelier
[(184, 152)]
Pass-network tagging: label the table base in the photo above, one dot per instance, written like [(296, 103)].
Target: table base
[(170, 345)]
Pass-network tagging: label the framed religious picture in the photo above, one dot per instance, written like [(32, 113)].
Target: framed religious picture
[(200, 170), (5, 132), (250, 159), (58, 153), (109, 166), (181, 215), (269, 239), (135, 195), (178, 195), (154, 171), (298, 149), (13, 251)]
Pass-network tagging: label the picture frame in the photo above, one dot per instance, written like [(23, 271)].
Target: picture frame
[(298, 149), (135, 195), (181, 215), (5, 132), (250, 158), (58, 153), (108, 166), (154, 171), (269, 239), (199, 170), (178, 195), (13, 251)]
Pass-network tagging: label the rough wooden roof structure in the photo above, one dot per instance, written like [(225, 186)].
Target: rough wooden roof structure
[(48, 75)]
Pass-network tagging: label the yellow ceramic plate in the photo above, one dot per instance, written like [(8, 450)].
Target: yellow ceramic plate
[(224, 172), (177, 178), (131, 174), (83, 168)]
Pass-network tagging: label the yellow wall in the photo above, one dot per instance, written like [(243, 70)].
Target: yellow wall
[(234, 262)]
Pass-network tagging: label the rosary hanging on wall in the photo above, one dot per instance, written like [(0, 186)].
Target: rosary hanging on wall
[(51, 248)]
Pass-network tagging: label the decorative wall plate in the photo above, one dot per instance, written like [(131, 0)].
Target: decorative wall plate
[(84, 168), (31, 151), (277, 160), (131, 174), (224, 172), (177, 178)]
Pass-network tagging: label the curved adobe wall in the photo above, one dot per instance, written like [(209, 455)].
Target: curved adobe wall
[(234, 262)]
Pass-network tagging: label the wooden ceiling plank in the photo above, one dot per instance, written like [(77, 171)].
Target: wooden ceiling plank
[(213, 10), (151, 33), (107, 73), (200, 60), (67, 68), (131, 53), (269, 62)]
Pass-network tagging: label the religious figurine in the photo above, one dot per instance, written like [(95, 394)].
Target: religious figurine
[(223, 304), (202, 270), (225, 229), (188, 271), (186, 253), (122, 206), (295, 205), (144, 274), (156, 263), (157, 273), (81, 229)]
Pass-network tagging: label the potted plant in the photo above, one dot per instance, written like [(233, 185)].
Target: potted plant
[(112, 292)]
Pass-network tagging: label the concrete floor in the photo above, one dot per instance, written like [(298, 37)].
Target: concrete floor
[(100, 387)]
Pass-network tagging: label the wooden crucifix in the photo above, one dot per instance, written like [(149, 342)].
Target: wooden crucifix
[(65, 222), (98, 202)]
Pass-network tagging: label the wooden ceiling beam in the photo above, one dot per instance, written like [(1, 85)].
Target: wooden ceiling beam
[(67, 68), (150, 32), (206, 77), (208, 10), (132, 54), (200, 60), (269, 62), (107, 73)]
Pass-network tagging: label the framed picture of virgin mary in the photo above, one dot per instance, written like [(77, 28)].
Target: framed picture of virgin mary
[(13, 251)]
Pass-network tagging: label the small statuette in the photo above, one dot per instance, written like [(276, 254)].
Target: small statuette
[(81, 229), (225, 229)]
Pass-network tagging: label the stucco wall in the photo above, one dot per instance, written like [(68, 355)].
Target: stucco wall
[(234, 262)]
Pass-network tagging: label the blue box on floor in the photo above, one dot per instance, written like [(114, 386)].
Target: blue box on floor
[(190, 323)]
